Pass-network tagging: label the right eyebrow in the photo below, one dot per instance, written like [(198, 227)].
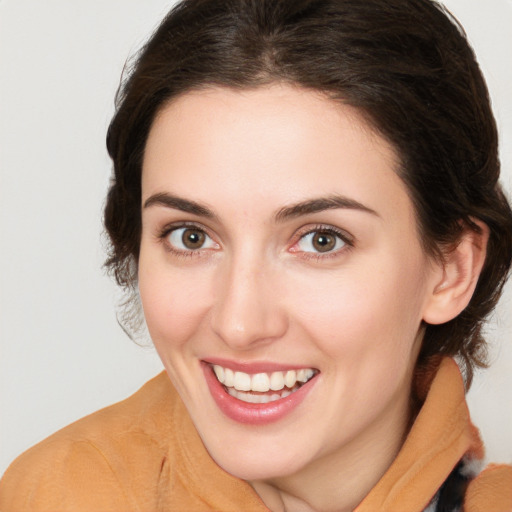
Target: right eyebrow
[(178, 203)]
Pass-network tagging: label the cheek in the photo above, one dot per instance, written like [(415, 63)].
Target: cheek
[(372, 308), (174, 303)]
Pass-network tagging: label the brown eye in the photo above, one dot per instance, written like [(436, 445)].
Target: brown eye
[(193, 238), (321, 241), (190, 239)]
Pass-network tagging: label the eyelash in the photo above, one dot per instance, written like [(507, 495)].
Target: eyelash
[(164, 234), (330, 230), (348, 241)]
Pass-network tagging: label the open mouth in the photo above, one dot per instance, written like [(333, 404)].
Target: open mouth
[(262, 388)]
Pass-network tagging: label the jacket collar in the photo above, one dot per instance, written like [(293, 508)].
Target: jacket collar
[(441, 435)]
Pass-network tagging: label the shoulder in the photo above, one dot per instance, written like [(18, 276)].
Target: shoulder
[(491, 490), (90, 463)]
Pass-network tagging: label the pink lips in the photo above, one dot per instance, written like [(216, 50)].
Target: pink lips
[(248, 413)]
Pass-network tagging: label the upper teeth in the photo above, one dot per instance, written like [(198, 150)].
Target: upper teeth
[(262, 382)]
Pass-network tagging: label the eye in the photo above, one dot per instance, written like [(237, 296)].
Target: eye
[(190, 239), (321, 241)]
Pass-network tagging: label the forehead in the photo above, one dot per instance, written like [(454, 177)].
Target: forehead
[(280, 143)]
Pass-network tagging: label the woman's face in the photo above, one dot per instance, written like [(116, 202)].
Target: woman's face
[(279, 244)]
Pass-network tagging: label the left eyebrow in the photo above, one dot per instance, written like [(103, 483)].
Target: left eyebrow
[(319, 205)]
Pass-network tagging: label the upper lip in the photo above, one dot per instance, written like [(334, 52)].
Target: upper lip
[(254, 366)]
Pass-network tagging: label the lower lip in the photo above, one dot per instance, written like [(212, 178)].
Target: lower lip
[(254, 414)]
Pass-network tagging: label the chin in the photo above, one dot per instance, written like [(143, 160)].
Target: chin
[(251, 462)]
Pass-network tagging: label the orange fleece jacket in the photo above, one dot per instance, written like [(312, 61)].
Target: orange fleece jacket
[(144, 455)]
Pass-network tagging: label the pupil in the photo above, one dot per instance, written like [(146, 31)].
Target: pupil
[(193, 239), (324, 242)]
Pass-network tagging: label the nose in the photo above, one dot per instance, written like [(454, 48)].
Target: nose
[(247, 311)]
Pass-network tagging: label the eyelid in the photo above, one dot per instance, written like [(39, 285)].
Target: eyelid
[(347, 238), (163, 237)]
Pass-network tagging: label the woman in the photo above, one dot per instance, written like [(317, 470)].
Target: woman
[(305, 197)]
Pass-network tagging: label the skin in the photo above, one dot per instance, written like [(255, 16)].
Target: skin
[(258, 290)]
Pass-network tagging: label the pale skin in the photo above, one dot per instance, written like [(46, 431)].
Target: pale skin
[(260, 175)]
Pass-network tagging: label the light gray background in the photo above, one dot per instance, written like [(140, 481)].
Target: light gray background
[(62, 354)]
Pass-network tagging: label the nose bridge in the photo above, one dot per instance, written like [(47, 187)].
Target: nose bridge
[(247, 309)]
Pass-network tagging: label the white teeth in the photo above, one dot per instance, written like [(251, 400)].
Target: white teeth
[(262, 382), (305, 374), (276, 381), (219, 373), (229, 377), (257, 399), (290, 378), (242, 381)]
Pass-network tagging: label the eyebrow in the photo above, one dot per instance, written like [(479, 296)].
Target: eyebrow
[(309, 206), (321, 204), (178, 203)]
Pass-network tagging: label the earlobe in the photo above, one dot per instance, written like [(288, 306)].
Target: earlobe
[(459, 272)]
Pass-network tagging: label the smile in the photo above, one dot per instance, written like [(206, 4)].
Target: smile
[(258, 397), (262, 388)]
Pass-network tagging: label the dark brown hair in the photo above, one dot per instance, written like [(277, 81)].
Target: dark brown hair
[(405, 64)]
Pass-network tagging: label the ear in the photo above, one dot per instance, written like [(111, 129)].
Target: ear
[(454, 284)]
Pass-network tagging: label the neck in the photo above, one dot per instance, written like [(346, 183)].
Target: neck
[(339, 482)]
